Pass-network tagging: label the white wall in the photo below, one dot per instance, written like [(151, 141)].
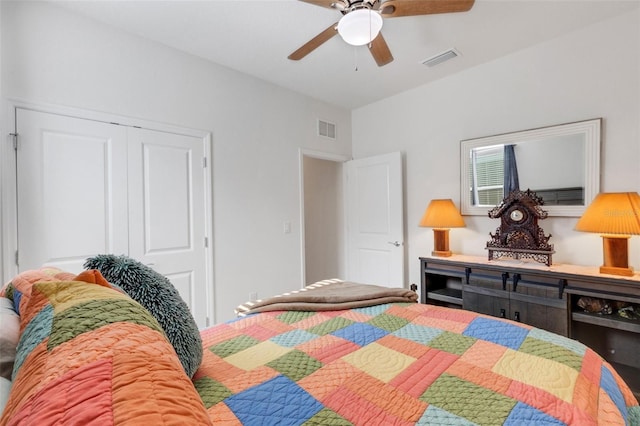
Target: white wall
[(591, 73), (51, 56), (3, 131)]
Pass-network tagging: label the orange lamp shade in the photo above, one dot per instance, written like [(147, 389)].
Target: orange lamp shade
[(441, 215), (615, 215)]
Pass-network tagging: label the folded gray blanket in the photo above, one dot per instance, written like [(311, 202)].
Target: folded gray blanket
[(329, 295)]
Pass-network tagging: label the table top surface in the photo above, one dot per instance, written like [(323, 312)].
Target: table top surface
[(562, 268)]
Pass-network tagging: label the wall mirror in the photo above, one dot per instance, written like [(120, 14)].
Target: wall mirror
[(560, 163)]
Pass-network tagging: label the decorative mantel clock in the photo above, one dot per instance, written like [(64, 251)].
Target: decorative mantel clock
[(519, 235)]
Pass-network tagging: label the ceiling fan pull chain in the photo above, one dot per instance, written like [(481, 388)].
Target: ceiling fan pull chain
[(355, 58)]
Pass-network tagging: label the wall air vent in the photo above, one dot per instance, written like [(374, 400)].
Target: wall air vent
[(441, 57), (326, 129)]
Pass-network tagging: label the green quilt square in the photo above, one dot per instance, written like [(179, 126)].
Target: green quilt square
[(550, 351), (388, 322), (295, 365), (94, 314), (211, 391), (453, 343), (233, 346), (330, 326), (327, 417), (292, 317), (468, 400)]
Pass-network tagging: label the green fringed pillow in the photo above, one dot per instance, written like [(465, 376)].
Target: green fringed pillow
[(156, 293)]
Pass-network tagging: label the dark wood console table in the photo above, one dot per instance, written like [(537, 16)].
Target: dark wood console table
[(542, 296)]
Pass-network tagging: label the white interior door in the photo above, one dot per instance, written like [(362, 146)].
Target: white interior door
[(72, 190), (375, 220), (167, 210)]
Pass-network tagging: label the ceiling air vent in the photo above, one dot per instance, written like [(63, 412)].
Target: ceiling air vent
[(441, 57), (326, 129)]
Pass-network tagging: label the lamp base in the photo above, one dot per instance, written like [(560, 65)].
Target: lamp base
[(627, 272), (441, 243), (615, 255)]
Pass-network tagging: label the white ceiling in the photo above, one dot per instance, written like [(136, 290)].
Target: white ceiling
[(256, 36)]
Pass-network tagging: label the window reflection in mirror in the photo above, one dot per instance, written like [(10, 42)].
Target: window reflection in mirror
[(559, 163), (487, 175), (565, 166)]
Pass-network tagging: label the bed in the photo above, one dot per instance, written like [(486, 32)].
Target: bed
[(90, 354)]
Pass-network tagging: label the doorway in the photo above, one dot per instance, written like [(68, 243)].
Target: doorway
[(352, 220), (322, 222)]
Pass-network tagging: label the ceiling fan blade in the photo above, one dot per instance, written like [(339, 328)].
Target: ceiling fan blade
[(380, 51), (314, 43), (321, 3), (395, 8)]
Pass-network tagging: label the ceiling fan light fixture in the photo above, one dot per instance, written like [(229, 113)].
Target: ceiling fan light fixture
[(360, 26)]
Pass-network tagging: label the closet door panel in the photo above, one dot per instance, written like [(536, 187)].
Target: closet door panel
[(166, 187), (72, 190), (167, 210)]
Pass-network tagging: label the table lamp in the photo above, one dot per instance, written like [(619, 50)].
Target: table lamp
[(441, 215), (615, 215)]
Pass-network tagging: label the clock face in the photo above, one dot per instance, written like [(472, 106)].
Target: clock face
[(516, 215)]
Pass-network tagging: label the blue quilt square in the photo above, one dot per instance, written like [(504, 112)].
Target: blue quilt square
[(293, 338), (36, 331), (609, 385), (499, 332), (523, 414), (418, 333), (374, 310), (17, 296), (278, 401), (360, 333)]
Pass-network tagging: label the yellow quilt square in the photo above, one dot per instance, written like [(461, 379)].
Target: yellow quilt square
[(554, 377), (257, 355), (379, 361)]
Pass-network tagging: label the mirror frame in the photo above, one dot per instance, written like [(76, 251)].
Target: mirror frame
[(590, 128)]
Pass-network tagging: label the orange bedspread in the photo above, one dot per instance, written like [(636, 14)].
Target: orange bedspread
[(90, 355)]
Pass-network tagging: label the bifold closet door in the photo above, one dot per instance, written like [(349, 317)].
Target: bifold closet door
[(167, 210), (72, 190), (87, 187)]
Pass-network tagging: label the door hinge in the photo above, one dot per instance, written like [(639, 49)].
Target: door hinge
[(14, 137), (204, 162), (206, 242), (17, 259)]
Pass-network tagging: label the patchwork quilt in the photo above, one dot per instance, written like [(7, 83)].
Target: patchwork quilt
[(88, 354), (403, 364)]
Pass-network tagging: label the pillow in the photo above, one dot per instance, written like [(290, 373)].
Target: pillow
[(9, 335), (156, 293), (91, 355), (5, 387)]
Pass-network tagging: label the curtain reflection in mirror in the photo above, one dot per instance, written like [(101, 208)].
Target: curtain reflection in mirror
[(511, 182)]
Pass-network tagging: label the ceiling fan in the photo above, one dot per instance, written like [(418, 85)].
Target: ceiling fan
[(362, 20)]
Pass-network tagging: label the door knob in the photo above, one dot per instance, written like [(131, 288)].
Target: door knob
[(394, 243)]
